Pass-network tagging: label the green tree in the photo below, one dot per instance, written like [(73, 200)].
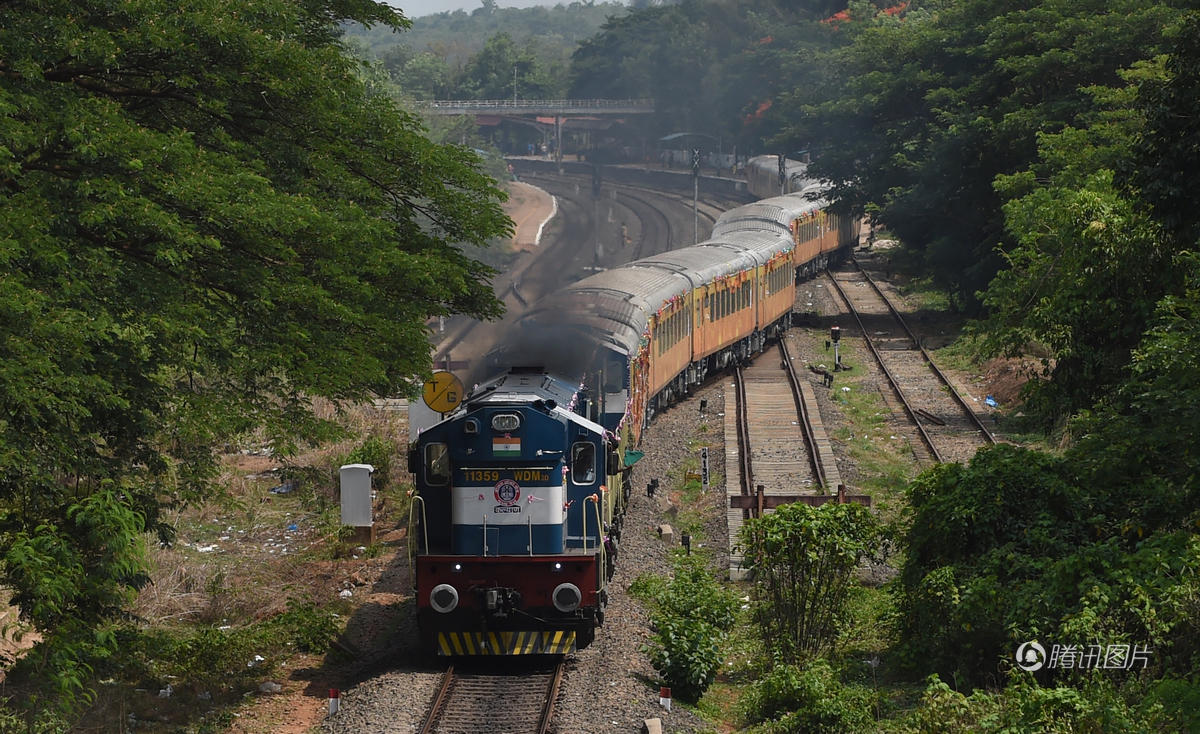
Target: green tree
[(802, 559), (492, 72), (924, 109), (1088, 264), (1166, 155), (205, 220)]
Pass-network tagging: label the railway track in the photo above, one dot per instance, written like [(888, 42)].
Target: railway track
[(779, 458), (588, 236), (519, 702), (946, 424)]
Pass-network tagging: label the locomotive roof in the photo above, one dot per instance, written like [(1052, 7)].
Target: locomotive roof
[(525, 385)]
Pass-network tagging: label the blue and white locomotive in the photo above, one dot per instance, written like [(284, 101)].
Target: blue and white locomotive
[(515, 526)]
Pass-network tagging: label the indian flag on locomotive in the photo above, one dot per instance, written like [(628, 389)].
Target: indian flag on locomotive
[(506, 445)]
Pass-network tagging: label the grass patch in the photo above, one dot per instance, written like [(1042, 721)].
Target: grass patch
[(883, 458), (962, 354), (742, 666), (920, 294)]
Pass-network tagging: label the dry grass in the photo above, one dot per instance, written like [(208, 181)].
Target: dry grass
[(237, 559)]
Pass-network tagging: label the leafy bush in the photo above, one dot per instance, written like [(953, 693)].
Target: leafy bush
[(687, 654), (802, 558), (805, 699), (306, 626), (378, 453), (1008, 549), (691, 617), (42, 722), (693, 593), (1097, 705)]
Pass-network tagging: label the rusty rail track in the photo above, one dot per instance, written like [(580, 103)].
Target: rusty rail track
[(958, 398), (746, 469), (484, 703), (810, 442), (783, 470), (909, 410)]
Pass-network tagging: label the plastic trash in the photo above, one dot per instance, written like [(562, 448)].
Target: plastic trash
[(991, 402)]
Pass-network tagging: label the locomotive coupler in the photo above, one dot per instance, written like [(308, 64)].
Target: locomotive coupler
[(500, 601)]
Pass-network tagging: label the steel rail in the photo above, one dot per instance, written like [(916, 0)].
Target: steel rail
[(551, 695), (958, 398), (908, 409), (814, 453), (743, 436), (439, 701), (464, 705)]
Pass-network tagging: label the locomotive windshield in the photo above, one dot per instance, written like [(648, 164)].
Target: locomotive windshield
[(437, 464), (583, 463)]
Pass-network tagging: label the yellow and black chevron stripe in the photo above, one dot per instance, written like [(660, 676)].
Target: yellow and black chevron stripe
[(556, 642)]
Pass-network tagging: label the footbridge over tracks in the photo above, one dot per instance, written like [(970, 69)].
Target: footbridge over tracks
[(537, 107), (543, 114)]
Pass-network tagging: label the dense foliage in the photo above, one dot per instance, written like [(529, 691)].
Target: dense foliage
[(790, 698), (712, 66), (460, 55), (205, 221)]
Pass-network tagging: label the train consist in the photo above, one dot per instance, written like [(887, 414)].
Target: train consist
[(765, 177), (520, 492)]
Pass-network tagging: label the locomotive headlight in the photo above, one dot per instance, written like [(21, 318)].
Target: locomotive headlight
[(557, 566), (457, 567), (506, 422), (567, 597), (443, 598)]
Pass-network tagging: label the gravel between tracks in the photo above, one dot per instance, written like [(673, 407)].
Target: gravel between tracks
[(610, 686)]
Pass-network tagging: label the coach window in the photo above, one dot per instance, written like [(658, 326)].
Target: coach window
[(583, 463), (437, 464)]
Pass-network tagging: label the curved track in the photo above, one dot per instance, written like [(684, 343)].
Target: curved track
[(587, 234), (947, 425), (520, 702)]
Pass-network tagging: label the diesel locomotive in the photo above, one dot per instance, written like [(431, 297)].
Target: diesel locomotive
[(520, 492), (518, 527)]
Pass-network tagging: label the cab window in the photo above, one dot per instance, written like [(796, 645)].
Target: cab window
[(583, 463), (437, 464)]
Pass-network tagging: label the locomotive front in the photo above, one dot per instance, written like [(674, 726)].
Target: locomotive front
[(511, 546)]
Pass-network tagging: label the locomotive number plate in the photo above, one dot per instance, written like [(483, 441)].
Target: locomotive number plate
[(533, 476)]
